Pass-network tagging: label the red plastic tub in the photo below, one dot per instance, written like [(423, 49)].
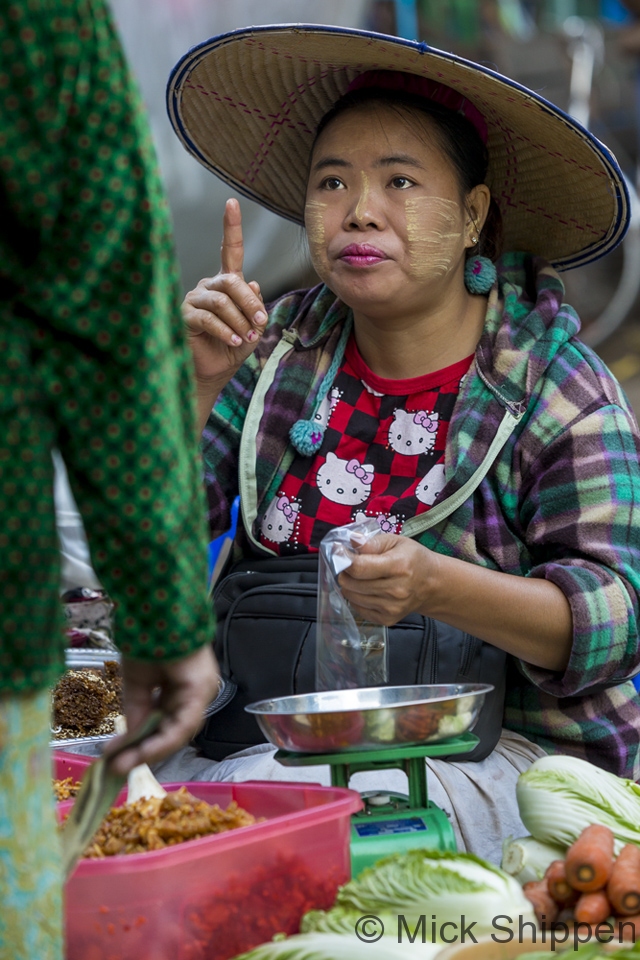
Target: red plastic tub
[(69, 765), (213, 898)]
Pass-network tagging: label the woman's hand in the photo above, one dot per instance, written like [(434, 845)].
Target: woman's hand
[(529, 617), (224, 315), (389, 578), (180, 688)]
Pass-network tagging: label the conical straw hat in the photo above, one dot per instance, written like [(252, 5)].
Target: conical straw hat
[(247, 104)]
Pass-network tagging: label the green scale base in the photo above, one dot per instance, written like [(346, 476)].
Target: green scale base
[(390, 823)]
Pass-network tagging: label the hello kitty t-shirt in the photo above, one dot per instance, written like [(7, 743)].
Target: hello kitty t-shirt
[(382, 456)]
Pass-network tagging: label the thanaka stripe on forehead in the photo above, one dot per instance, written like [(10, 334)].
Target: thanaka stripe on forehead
[(398, 158)]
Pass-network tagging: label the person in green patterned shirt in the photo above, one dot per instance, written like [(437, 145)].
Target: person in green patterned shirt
[(94, 363)]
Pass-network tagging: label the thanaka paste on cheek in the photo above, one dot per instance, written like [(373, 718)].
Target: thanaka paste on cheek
[(434, 235), (314, 213)]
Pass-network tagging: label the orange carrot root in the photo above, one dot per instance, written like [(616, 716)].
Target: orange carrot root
[(545, 907), (558, 885), (623, 888), (589, 861), (592, 907), (626, 929)]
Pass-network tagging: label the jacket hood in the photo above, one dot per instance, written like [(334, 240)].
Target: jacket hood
[(527, 324)]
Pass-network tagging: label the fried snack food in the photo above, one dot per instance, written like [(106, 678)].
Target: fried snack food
[(156, 823), (86, 702), (65, 789)]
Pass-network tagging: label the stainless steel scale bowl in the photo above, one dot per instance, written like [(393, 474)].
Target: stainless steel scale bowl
[(379, 728), (333, 721)]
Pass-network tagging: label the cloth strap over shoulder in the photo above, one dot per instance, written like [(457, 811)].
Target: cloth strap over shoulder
[(412, 527)]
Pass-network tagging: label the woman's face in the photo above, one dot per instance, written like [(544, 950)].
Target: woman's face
[(386, 223)]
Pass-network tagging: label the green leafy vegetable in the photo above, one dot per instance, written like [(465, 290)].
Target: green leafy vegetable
[(559, 796), (526, 858), (441, 885), (327, 946), (590, 951)]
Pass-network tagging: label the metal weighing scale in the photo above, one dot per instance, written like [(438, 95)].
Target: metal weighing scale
[(390, 823)]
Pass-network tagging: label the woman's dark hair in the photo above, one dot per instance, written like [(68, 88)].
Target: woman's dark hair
[(457, 137)]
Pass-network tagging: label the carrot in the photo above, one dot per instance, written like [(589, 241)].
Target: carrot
[(589, 860), (623, 888), (558, 885), (626, 929), (565, 916), (544, 906), (592, 907)]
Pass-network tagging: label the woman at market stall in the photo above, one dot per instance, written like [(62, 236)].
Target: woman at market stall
[(438, 200)]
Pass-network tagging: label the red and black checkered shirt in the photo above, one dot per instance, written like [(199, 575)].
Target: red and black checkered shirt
[(382, 455)]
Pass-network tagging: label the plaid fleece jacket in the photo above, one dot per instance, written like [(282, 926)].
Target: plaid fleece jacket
[(561, 501)]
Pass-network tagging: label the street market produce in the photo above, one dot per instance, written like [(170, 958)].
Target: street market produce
[(589, 860), (590, 951), (449, 883), (592, 908), (558, 796), (623, 888), (155, 823), (527, 859), (331, 946), (86, 702), (559, 887), (613, 894), (546, 908), (65, 789)]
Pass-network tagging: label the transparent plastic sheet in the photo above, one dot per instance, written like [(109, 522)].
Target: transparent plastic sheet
[(350, 652)]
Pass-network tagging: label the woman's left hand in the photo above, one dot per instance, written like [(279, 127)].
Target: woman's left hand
[(389, 578), (393, 576)]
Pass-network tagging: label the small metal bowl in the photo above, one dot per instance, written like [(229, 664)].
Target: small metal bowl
[(370, 718)]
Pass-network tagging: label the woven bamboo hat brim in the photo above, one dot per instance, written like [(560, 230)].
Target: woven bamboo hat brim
[(247, 104)]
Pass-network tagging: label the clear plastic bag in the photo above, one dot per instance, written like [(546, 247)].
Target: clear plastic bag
[(350, 652)]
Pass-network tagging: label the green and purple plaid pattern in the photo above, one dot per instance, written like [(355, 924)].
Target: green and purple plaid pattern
[(561, 501)]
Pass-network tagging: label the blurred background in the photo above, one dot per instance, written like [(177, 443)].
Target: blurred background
[(583, 55)]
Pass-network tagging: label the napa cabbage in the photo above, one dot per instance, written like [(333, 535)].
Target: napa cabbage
[(444, 887), (327, 946), (559, 796)]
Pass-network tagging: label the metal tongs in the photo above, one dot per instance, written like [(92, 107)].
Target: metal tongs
[(100, 787)]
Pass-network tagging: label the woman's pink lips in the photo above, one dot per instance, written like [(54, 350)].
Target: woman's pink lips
[(361, 254)]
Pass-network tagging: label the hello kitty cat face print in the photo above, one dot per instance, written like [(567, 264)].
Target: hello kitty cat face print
[(413, 433), (280, 519), (345, 481), (388, 523), (431, 485), (326, 408)]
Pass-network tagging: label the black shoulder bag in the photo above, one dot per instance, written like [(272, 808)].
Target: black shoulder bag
[(266, 639)]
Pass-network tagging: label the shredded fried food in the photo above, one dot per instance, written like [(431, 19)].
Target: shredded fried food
[(152, 824), (65, 789), (86, 702)]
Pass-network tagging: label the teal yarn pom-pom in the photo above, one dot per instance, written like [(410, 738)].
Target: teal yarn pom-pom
[(479, 274), (306, 436)]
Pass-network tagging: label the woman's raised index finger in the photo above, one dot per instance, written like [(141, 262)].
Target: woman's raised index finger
[(232, 250)]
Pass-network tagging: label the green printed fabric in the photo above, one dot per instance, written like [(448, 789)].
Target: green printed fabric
[(30, 853), (94, 360)]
